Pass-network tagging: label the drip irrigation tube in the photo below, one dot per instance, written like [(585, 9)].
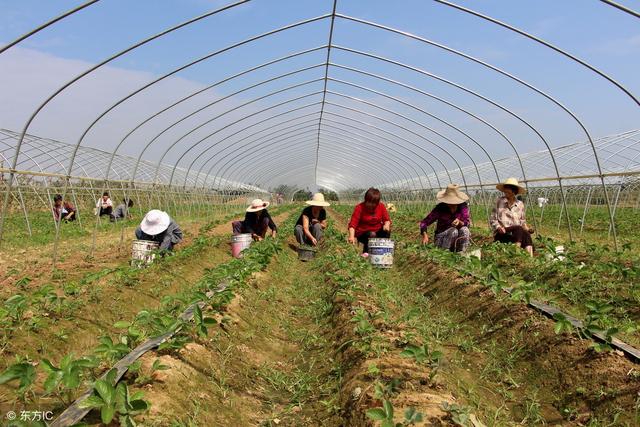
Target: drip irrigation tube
[(549, 311), (74, 413)]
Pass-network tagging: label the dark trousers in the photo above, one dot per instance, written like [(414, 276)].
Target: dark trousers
[(106, 211), (364, 237), (260, 229), (515, 234)]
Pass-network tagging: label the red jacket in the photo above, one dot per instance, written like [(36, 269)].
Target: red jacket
[(364, 220)]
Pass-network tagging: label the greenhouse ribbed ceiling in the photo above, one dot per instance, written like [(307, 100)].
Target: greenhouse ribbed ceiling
[(339, 94)]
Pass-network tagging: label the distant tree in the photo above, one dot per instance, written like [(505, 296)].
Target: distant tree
[(302, 195), (329, 195)]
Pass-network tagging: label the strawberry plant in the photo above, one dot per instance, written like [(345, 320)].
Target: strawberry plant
[(115, 401), (109, 350), (66, 378), (201, 322), (24, 372)]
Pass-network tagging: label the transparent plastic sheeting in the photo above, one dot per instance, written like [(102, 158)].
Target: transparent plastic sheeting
[(255, 95)]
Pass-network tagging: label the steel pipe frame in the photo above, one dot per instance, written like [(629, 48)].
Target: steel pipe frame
[(324, 91), (195, 62), (266, 177), (273, 116), (386, 132), (262, 143), (526, 84), (296, 127), (450, 83), (336, 158), (46, 24), (219, 82), (288, 147), (379, 136), (467, 90), (209, 172), (249, 158), (135, 168), (432, 130), (560, 182), (622, 8), (264, 121), (80, 76), (288, 101), (224, 139), (393, 123)]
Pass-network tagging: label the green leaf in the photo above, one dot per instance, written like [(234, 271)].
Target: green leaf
[(107, 413), (86, 362), (92, 402), (127, 421), (106, 391), (52, 381), (198, 313), (139, 405), (209, 321), (72, 379), (48, 366), (388, 408), (558, 328), (138, 395), (377, 414), (122, 324)]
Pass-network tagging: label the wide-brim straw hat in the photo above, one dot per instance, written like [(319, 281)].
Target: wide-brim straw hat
[(452, 195), (318, 200), (514, 182), (155, 222), (257, 205)]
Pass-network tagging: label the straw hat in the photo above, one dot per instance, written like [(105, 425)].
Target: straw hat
[(318, 200), (155, 222), (257, 205), (451, 195), (514, 182)]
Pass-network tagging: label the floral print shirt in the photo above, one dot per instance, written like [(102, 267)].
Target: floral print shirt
[(507, 216)]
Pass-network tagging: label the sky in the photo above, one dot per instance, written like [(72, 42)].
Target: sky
[(379, 131)]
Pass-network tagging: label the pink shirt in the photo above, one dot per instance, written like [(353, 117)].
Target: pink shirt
[(507, 216)]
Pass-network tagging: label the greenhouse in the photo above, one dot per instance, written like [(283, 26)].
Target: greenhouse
[(324, 212)]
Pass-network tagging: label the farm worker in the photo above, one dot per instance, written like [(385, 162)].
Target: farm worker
[(451, 215), (158, 226), (508, 220), (104, 206), (369, 219), (65, 211), (122, 211), (256, 221), (312, 222)]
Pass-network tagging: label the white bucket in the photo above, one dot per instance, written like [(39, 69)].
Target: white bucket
[(240, 242), (381, 252), (474, 253), (142, 252), (559, 255)]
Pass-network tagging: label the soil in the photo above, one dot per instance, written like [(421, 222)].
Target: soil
[(102, 302), (283, 351)]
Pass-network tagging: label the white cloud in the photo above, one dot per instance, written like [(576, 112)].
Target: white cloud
[(619, 47)]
